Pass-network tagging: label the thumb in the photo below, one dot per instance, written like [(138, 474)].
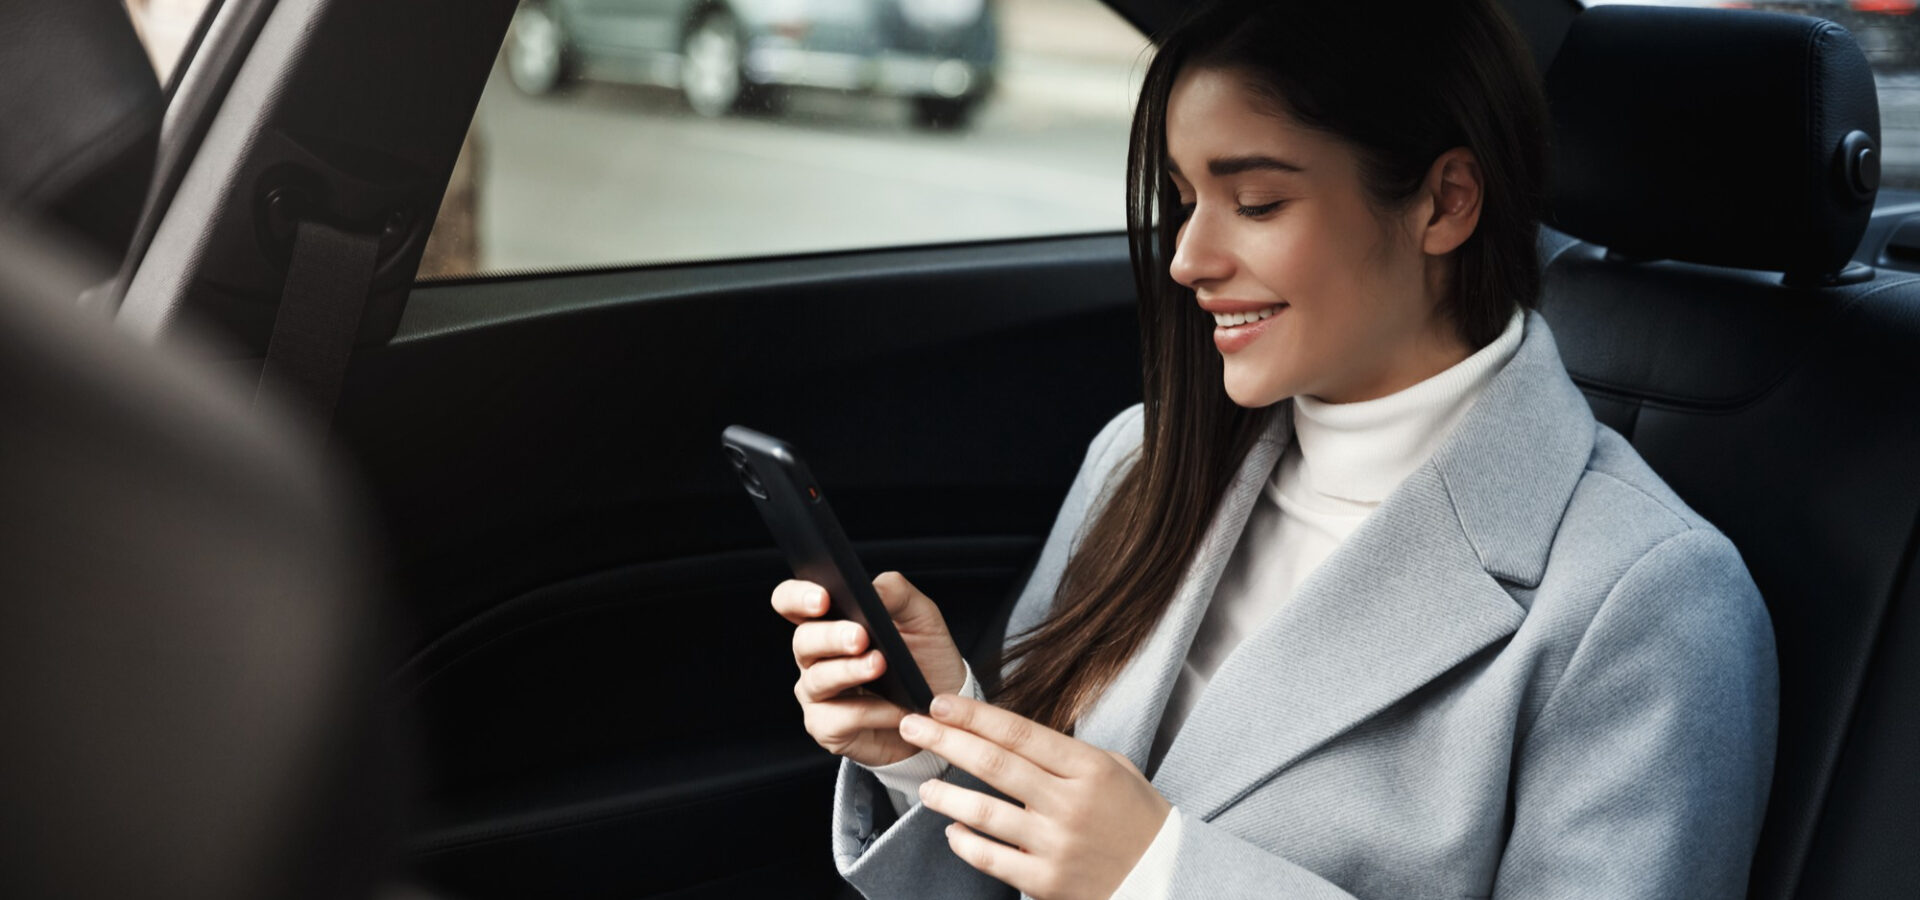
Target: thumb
[(910, 609)]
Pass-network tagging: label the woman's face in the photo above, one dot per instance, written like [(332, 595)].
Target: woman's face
[(1279, 227)]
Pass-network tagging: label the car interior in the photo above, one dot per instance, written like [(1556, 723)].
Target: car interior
[(594, 694)]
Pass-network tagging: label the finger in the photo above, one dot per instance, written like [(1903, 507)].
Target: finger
[(827, 678), (911, 610), (1008, 772), (1045, 747), (799, 601), (1021, 871), (837, 723), (815, 641), (985, 814)]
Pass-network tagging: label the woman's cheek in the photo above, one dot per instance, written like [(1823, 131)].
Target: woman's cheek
[(1287, 262)]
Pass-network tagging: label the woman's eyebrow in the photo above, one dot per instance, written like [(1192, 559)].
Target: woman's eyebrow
[(1234, 165)]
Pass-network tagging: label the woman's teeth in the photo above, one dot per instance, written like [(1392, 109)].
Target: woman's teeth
[(1228, 320)]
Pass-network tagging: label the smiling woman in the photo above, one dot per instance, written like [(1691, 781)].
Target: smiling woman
[(1246, 258), (1360, 602)]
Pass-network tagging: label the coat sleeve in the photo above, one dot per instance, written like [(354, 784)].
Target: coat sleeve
[(910, 857), (1645, 774)]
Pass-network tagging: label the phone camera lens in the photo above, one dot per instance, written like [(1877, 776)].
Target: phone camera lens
[(745, 472), (752, 482)]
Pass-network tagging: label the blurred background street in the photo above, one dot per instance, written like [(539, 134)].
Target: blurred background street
[(620, 174), (614, 173), (600, 159)]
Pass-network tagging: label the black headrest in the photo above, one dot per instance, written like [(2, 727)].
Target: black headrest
[(1724, 137), (80, 118)]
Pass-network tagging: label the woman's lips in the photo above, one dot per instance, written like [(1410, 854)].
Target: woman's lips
[(1231, 339)]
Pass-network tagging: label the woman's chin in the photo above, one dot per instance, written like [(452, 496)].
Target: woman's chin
[(1252, 392)]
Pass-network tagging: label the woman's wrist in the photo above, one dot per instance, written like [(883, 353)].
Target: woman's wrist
[(1151, 877), (905, 775)]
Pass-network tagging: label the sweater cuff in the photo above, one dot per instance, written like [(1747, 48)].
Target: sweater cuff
[(1152, 875), (902, 779)]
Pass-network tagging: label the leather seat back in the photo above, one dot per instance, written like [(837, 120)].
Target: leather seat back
[(189, 661), (1711, 151)]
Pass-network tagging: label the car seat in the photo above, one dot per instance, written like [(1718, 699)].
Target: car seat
[(1714, 171)]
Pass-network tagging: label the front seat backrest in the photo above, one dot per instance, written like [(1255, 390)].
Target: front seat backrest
[(188, 674), (185, 674), (1699, 154)]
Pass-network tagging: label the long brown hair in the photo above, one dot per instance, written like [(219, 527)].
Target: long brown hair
[(1399, 82)]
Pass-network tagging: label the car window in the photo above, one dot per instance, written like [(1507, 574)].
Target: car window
[(1888, 31), (631, 132), (165, 27)]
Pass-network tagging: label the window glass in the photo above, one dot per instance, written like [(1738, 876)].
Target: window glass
[(622, 132), (1889, 32), (164, 27)]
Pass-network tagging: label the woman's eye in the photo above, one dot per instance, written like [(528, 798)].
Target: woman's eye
[(1254, 212)]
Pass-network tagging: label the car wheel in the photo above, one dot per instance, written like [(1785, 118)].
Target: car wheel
[(537, 50), (943, 113), (710, 65)]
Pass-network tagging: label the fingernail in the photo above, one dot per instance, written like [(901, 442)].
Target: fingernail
[(852, 636), (942, 707), (926, 787), (873, 662), (913, 727), (820, 600)]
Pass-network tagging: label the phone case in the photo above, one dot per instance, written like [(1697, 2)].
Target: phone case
[(802, 522)]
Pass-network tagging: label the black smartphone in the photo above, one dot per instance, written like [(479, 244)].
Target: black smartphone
[(803, 524)]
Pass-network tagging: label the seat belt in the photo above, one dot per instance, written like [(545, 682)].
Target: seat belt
[(328, 280)]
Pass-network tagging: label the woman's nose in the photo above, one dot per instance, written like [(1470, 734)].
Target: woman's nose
[(1196, 255)]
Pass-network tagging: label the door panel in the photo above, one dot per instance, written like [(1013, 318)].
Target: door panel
[(604, 697), (601, 697)]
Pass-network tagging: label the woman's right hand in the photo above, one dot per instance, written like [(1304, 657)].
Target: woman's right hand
[(834, 658)]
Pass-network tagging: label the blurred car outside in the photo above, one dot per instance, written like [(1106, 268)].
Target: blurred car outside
[(743, 55)]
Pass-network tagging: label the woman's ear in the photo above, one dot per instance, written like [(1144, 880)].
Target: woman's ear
[(1453, 193)]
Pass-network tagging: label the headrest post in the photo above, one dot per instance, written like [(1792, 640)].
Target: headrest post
[(1854, 273)]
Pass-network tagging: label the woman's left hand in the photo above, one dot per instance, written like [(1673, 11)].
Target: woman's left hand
[(1089, 814)]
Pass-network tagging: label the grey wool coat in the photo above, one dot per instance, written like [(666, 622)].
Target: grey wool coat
[(1531, 672)]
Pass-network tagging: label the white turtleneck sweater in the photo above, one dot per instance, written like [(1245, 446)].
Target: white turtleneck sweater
[(1345, 459)]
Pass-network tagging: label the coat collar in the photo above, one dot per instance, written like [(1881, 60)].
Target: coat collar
[(1415, 591)]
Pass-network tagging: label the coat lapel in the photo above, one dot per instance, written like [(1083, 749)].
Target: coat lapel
[(1128, 712), (1402, 600), (1415, 591)]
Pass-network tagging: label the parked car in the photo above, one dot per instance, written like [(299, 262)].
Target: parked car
[(743, 54)]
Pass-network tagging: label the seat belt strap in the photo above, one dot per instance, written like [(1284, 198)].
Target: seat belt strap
[(328, 281)]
